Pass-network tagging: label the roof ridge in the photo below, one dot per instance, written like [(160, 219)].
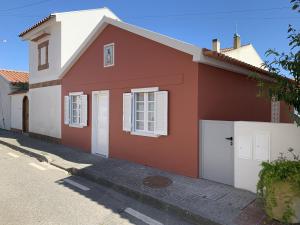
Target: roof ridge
[(232, 48), (11, 70), (80, 10)]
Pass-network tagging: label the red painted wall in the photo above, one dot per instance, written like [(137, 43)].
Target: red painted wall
[(139, 63), (225, 95)]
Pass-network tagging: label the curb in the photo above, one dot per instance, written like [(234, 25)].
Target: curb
[(144, 198), (39, 157)]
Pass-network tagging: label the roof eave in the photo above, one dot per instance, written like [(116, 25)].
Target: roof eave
[(26, 33)]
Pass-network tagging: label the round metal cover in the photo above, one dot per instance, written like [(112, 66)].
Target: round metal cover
[(157, 181)]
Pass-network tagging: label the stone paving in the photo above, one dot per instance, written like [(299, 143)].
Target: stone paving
[(197, 199)]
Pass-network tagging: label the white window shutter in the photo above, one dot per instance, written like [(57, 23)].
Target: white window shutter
[(127, 108), (67, 110), (161, 113), (84, 110)]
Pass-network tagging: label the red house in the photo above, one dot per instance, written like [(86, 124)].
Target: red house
[(133, 94)]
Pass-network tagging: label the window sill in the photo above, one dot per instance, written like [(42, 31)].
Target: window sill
[(137, 133), (109, 65), (75, 125)]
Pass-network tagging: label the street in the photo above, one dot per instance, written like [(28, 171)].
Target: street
[(33, 192)]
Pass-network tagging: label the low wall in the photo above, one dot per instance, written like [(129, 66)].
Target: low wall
[(255, 142)]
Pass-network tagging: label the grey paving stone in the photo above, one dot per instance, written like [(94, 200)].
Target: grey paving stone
[(217, 202)]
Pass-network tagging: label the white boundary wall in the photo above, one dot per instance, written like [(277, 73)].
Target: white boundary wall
[(258, 141), (45, 111)]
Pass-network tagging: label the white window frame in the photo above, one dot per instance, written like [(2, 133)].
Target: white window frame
[(113, 54), (144, 132), (71, 124)]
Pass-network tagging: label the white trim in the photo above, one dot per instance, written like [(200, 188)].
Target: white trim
[(193, 50), (145, 134), (75, 93), (75, 125), (113, 55), (150, 89), (145, 131)]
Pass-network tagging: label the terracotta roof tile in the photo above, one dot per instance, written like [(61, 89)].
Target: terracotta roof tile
[(233, 61), (15, 76), (36, 25)]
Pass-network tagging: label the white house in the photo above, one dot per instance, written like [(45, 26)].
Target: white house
[(52, 42), (10, 82), (245, 53)]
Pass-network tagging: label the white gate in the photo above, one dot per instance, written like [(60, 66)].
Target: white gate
[(216, 151)]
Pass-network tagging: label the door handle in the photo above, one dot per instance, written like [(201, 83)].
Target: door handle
[(230, 139)]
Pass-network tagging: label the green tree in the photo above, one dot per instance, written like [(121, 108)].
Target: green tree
[(285, 71)]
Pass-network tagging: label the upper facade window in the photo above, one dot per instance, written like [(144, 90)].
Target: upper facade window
[(109, 55), (43, 59)]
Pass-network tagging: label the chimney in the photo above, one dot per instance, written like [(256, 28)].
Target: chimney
[(236, 41), (216, 45)]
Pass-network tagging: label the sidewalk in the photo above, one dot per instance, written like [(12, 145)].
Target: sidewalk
[(201, 201)]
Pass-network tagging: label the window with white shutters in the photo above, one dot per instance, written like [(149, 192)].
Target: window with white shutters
[(145, 112), (76, 110)]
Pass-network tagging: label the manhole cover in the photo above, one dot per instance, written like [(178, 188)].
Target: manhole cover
[(157, 181)]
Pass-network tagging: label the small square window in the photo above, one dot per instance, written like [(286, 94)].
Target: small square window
[(109, 55)]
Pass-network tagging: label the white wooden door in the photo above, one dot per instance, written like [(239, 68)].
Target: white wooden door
[(100, 123), (217, 152)]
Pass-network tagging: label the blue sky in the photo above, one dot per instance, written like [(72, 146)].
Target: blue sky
[(262, 23)]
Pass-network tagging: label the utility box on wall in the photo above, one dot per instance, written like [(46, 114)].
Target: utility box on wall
[(255, 142)]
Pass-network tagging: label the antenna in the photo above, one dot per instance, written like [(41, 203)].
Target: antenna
[(236, 28)]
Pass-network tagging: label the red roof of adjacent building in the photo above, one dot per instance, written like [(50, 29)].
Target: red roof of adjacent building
[(233, 61), (15, 76)]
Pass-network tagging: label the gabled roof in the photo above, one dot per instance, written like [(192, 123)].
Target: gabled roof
[(13, 76), (160, 38), (58, 15), (198, 54), (46, 19), (228, 59)]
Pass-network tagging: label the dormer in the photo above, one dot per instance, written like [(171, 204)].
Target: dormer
[(54, 39)]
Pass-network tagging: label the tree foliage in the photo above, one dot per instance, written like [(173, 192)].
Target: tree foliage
[(285, 71)]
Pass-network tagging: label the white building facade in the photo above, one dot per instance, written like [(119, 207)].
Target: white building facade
[(52, 42)]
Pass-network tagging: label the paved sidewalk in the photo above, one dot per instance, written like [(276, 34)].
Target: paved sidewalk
[(199, 200)]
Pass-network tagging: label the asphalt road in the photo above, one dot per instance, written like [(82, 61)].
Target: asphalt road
[(34, 193)]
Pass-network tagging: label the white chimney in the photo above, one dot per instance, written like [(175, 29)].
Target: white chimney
[(216, 45)]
